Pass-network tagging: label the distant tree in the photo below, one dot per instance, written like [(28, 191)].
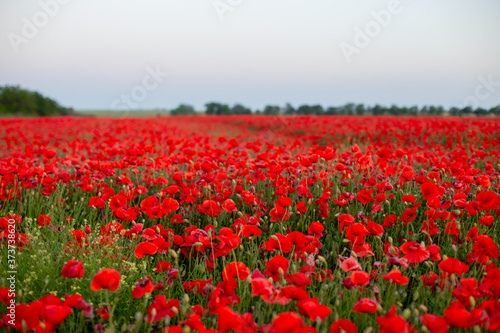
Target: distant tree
[(183, 109), (480, 112), (289, 109), (216, 109), (495, 110), (360, 109), (378, 110), (272, 110), (304, 109), (317, 110), (331, 111), (14, 100), (239, 109)]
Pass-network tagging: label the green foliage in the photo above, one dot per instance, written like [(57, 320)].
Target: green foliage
[(183, 109), (21, 102)]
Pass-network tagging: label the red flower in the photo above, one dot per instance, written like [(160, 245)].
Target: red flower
[(160, 309), (457, 316), (453, 266), (169, 205), (350, 265), (415, 252), (235, 269), (488, 200), (145, 286), (162, 266), (365, 305), (435, 324), (73, 269), (397, 277), (365, 196), (44, 220), (343, 326), (145, 248), (276, 267), (360, 278), (107, 278), (429, 190), (312, 309)]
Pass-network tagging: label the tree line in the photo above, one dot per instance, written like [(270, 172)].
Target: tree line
[(347, 109), (22, 102)]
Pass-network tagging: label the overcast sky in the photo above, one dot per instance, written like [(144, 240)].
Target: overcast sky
[(89, 54)]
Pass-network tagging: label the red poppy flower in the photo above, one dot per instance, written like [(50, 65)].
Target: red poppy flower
[(415, 252), (235, 270), (365, 196), (145, 248), (435, 324), (360, 278), (453, 266), (73, 269), (145, 286), (365, 305), (343, 326), (488, 200), (44, 220), (396, 277), (429, 190), (314, 310), (350, 265), (160, 309), (276, 267), (107, 278)]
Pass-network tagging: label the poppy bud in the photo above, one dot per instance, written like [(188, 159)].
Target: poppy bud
[(368, 330), (173, 254), (322, 259), (454, 248), (472, 301), (423, 308), (198, 244)]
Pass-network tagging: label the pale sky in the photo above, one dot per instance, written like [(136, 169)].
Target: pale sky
[(89, 53)]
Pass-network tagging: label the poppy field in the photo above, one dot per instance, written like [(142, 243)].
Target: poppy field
[(250, 224)]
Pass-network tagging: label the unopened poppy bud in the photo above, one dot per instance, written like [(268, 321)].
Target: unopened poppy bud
[(186, 329), (274, 237), (158, 230), (457, 211), (454, 248), (416, 313), (445, 257), (390, 240), (336, 316), (138, 315), (322, 259), (476, 329), (380, 310), (241, 247), (368, 330), (198, 244), (240, 214), (281, 271), (154, 312), (354, 254), (415, 296), (425, 329), (472, 301), (345, 240), (173, 254), (423, 308)]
